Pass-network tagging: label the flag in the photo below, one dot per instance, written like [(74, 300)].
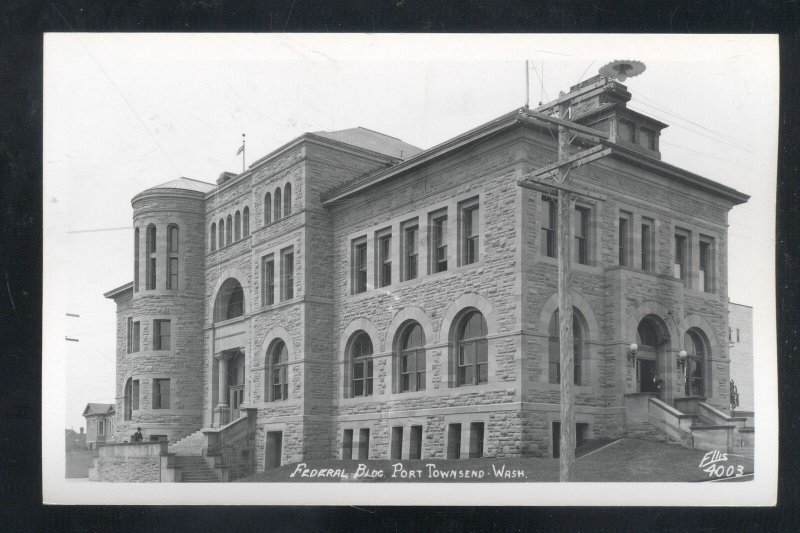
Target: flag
[(241, 149)]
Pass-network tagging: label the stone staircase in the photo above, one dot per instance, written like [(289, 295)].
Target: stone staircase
[(189, 445), (194, 469)]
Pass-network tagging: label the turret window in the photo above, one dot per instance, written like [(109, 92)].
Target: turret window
[(172, 251), (151, 257)]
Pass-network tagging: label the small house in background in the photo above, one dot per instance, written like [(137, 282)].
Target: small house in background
[(74, 441), (99, 424)]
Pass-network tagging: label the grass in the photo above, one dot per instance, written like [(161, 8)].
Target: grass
[(622, 460)]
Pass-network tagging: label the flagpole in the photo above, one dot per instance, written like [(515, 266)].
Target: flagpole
[(243, 148)]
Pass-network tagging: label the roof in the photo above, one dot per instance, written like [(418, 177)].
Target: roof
[(510, 120), (113, 293), (372, 140), (99, 409), (187, 184)]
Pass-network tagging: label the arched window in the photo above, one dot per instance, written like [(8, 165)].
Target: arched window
[(287, 200), (213, 236), (267, 208), (361, 357), (237, 225), (229, 230), (221, 233), (246, 222), (649, 333), (554, 346), (128, 406), (151, 257), (230, 301), (136, 260), (412, 358), (277, 204), (172, 256), (472, 349), (278, 370), (695, 345)]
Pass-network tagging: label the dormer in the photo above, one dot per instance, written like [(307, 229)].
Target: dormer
[(606, 110)]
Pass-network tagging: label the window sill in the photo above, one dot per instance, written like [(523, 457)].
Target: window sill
[(579, 267), (425, 278), (234, 243)]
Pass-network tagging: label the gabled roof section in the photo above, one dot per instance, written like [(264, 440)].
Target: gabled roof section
[(113, 293), (186, 184), (99, 409), (372, 140)]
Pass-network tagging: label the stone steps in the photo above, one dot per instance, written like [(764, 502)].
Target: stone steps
[(190, 445), (195, 470)]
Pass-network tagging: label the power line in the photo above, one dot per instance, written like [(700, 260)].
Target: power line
[(657, 105)]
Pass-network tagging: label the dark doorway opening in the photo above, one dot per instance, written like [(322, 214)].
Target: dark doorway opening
[(274, 448)]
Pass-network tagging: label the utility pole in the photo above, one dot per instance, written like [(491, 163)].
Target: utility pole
[(553, 180), (566, 203), (555, 177)]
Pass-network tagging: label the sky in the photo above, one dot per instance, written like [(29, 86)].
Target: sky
[(126, 112)]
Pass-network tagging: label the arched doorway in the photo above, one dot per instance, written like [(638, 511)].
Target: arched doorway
[(652, 338), (696, 346)]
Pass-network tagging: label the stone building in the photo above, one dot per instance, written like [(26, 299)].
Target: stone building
[(740, 351), (350, 295), (100, 427)]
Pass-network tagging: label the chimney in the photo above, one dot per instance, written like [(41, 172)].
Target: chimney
[(225, 176)]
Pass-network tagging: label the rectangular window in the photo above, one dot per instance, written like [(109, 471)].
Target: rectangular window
[(396, 450), (438, 243), (151, 273), (648, 139), (737, 334), (476, 440), (363, 443), (415, 444), (136, 260), (470, 244), (624, 238), (267, 280), (136, 332), (454, 441), (160, 394), (347, 444), (135, 395), (582, 235), (362, 377), (410, 232), (172, 275), (162, 334), (129, 345), (679, 264), (706, 264), (384, 260), (627, 131), (287, 274), (549, 213), (647, 244), (359, 266)]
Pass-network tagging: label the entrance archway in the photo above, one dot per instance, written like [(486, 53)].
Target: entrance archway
[(653, 339)]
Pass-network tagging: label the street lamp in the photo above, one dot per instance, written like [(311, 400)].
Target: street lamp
[(682, 361), (632, 350)]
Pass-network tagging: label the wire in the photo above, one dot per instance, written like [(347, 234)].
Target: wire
[(657, 105)]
